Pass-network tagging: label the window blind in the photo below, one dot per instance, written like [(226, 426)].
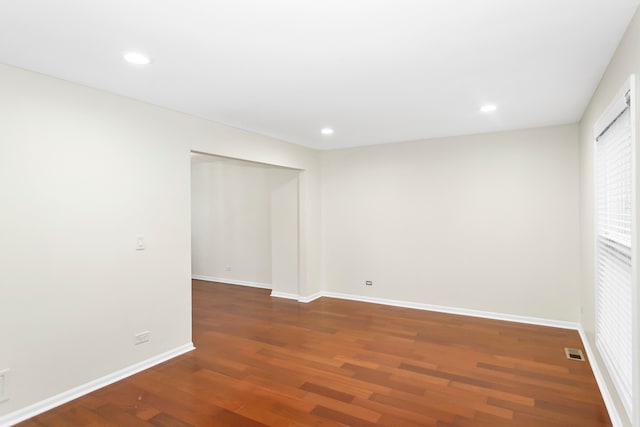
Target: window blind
[(614, 247)]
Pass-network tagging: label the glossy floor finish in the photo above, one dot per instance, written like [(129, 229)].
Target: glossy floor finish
[(263, 361)]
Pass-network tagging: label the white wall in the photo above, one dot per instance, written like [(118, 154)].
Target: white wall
[(486, 222), (81, 173), (625, 62), (285, 248), (231, 220)]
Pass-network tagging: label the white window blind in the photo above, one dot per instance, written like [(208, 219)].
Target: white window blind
[(615, 257)]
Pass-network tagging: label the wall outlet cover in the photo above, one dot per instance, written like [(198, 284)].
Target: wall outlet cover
[(141, 337), (4, 396)]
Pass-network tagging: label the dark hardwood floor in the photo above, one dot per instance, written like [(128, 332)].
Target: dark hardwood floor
[(263, 361)]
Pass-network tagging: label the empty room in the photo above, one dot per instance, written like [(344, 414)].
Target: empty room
[(330, 213)]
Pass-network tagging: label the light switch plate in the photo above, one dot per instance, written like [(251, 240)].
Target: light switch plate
[(139, 242)]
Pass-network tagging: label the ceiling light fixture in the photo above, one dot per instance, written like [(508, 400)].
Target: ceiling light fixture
[(327, 131), (136, 58), (488, 108)]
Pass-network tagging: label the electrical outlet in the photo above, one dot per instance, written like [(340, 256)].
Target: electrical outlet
[(368, 283), (141, 337), (4, 396)]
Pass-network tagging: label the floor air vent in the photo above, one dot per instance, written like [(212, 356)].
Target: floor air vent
[(574, 354)]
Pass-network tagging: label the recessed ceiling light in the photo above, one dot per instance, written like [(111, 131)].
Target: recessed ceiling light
[(488, 108), (327, 131), (136, 58)]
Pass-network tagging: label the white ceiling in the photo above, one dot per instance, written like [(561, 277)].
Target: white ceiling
[(376, 71)]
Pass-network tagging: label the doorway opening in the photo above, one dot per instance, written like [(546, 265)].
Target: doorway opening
[(245, 223)]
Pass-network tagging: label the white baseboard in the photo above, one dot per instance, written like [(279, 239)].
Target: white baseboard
[(286, 295), (296, 296), (67, 396), (232, 281), (616, 420), (399, 303), (450, 310), (311, 297)]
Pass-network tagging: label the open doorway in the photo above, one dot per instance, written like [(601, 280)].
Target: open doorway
[(245, 224)]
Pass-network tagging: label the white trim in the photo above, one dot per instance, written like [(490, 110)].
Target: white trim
[(311, 297), (609, 402), (67, 396), (286, 295), (297, 297), (431, 307), (232, 281), (460, 311), (635, 292)]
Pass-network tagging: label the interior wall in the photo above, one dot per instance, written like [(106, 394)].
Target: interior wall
[(231, 220), (624, 62), (484, 222), (82, 173), (285, 244)]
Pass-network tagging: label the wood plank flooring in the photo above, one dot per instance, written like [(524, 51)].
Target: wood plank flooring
[(263, 361)]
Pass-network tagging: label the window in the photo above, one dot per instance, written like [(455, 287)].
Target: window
[(615, 243)]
